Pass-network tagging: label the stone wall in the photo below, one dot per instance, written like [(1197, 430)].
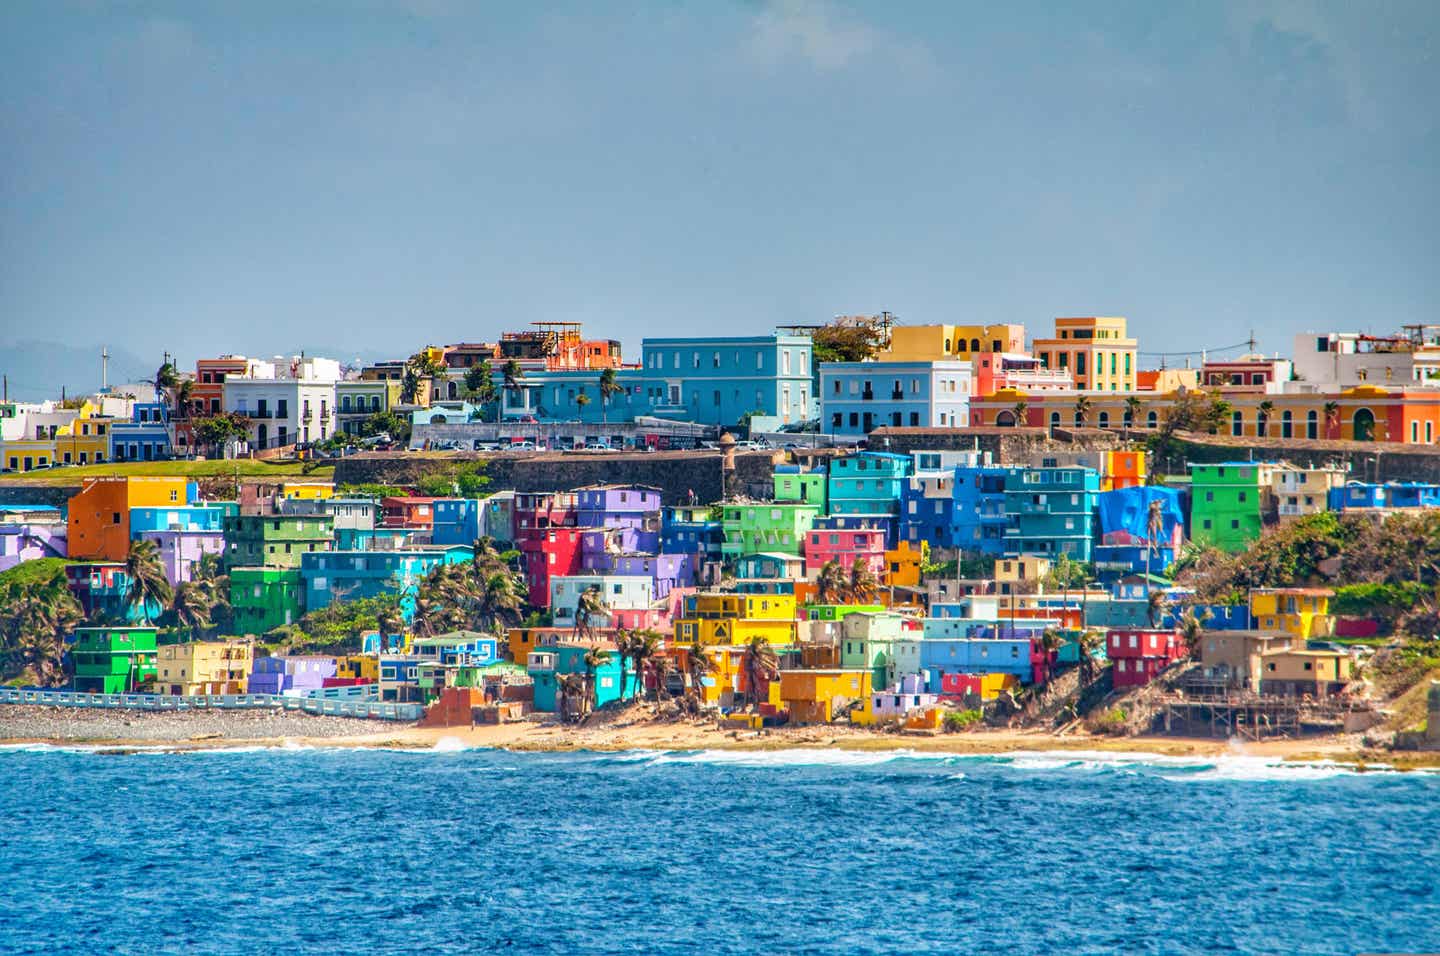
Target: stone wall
[(674, 473), (1005, 445), (1368, 461), (20, 493)]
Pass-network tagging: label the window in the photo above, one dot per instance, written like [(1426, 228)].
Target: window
[(1237, 424)]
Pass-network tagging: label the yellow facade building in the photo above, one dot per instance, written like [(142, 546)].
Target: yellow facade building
[(737, 619), (938, 343), (310, 490), (814, 696), (203, 667), (902, 565), (1095, 350), (1302, 613)]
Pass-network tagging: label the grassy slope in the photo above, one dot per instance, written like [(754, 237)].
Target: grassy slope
[(34, 572), (1408, 709), (188, 469)]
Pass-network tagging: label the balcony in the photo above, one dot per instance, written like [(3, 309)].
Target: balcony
[(897, 395)]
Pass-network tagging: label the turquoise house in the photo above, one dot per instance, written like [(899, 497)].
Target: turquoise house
[(868, 483), (1051, 511), (339, 576), (548, 664)]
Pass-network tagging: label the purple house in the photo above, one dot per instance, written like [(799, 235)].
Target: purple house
[(180, 551), (279, 675), (27, 542), (618, 506), (666, 570)]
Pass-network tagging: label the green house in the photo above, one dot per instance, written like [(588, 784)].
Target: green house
[(275, 541), (868, 643), (1225, 501), (776, 526), (837, 612), (113, 660), (803, 487), (265, 598)]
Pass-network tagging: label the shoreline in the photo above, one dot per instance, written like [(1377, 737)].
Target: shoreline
[(550, 737)]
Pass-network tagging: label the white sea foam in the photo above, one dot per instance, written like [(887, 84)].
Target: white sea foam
[(795, 757)]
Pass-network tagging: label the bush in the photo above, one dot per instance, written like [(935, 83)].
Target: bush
[(1384, 602), (958, 720)]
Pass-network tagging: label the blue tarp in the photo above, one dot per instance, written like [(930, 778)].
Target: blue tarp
[(1124, 513)]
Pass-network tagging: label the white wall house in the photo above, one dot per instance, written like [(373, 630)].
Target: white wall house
[(287, 400), (1328, 360)]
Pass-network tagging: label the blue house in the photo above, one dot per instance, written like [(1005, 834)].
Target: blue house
[(867, 483), (547, 664), (456, 521), (927, 510), (461, 648), (1051, 511), (333, 577), (689, 529), (1123, 515), (208, 517), (942, 656), (1354, 495), (857, 397), (979, 510), (145, 437), (770, 565)]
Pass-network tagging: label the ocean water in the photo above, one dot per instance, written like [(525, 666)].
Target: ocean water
[(352, 851)]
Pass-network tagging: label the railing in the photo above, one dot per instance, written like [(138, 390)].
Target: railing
[(367, 709)]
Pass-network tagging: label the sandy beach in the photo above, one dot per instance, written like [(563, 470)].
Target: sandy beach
[(57, 726)]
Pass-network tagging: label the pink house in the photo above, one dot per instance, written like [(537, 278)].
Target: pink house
[(845, 546)]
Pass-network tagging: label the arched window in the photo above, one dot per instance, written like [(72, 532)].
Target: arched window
[(974, 345), (1237, 424), (1054, 419), (374, 403), (1079, 422), (1287, 425), (1104, 419), (1363, 425), (1312, 424), (1152, 420)]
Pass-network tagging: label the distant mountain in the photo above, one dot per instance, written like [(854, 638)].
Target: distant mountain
[(35, 370)]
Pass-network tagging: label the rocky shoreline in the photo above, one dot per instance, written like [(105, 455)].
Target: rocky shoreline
[(26, 722)]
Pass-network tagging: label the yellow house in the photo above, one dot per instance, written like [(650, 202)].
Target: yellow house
[(737, 619), (1017, 573), (902, 565), (86, 439), (1302, 613), (203, 667), (1296, 672), (1095, 350), (1303, 491), (813, 696), (1122, 469), (312, 490), (358, 667)]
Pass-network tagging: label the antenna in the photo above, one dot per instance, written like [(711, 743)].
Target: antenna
[(105, 368)]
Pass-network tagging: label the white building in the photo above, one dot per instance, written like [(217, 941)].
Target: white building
[(1327, 361), (619, 592), (287, 400)]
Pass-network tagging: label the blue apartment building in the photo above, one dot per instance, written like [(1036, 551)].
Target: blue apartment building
[(455, 521), (206, 517), (689, 529), (332, 577), (1051, 511), (858, 397), (978, 515), (145, 437), (868, 483)]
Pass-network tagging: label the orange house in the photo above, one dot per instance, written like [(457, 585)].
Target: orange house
[(99, 523)]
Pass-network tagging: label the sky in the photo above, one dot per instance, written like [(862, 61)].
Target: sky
[(369, 176)]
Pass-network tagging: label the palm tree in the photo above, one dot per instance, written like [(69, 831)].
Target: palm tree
[(1020, 410), (1132, 413), (1090, 641), (660, 667), (1082, 410), (1192, 630), (1154, 524), (590, 605), (831, 585), (864, 585), (1156, 603), (608, 387), (191, 606), (761, 661), (166, 377), (1332, 417), (1262, 418), (581, 400), (389, 621), (34, 619), (570, 692), (512, 376), (595, 658), (480, 383), (148, 585), (1052, 639), (699, 665), (642, 647), (182, 397)]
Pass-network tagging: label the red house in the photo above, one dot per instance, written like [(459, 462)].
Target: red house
[(1140, 653), (536, 512), (417, 513), (546, 554)]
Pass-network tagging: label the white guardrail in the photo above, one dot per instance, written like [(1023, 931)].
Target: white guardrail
[(370, 709)]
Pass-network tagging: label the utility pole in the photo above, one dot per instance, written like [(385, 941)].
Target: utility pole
[(105, 368)]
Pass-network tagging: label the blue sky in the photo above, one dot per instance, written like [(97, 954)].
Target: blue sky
[(368, 176)]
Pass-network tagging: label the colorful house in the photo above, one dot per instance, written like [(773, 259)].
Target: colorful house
[(1235, 658), (868, 483), (770, 565), (617, 593), (1300, 612), (548, 664), (340, 576), (408, 512), (204, 667), (30, 542), (276, 540), (618, 506), (1294, 673), (1225, 501), (1124, 527), (817, 696), (549, 554), (1303, 491), (294, 674), (263, 598), (857, 397), (145, 437), (1141, 653), (103, 590), (690, 529), (867, 642), (458, 649), (979, 519), (99, 515), (765, 527), (793, 486), (181, 551), (209, 516), (713, 618), (1051, 511), (113, 660), (456, 521), (539, 512), (845, 547)]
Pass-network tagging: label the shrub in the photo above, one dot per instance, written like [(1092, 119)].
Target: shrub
[(957, 720)]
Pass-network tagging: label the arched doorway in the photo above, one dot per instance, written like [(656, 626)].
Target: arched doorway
[(1005, 420), (262, 435), (1363, 425)]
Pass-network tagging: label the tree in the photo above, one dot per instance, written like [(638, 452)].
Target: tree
[(389, 621), (1156, 603), (480, 383), (148, 588), (608, 388), (1020, 410), (166, 377), (216, 430), (699, 666), (37, 611), (1262, 418), (761, 662), (513, 376), (386, 422), (641, 647), (588, 606), (570, 696), (1192, 630), (1132, 413), (1089, 642), (1332, 418), (595, 658), (190, 607), (1082, 410), (581, 400), (864, 585), (850, 339), (831, 584), (182, 397)]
